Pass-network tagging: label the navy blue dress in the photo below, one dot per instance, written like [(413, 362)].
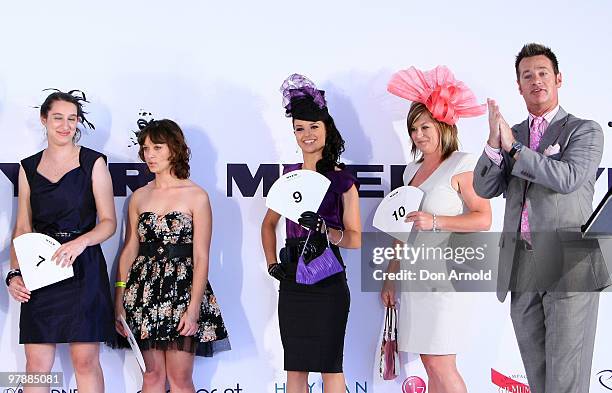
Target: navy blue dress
[(78, 309)]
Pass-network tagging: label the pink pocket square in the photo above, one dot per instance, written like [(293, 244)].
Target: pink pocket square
[(552, 149)]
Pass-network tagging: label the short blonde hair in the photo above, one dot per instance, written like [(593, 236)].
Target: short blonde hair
[(449, 139)]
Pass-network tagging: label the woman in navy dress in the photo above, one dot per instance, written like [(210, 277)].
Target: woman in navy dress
[(313, 318), (65, 191)]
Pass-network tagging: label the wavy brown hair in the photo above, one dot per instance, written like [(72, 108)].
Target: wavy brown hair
[(168, 132), (449, 140)]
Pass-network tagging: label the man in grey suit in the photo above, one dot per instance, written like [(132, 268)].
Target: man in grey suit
[(546, 168)]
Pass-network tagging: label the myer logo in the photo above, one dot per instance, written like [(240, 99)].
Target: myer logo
[(130, 175), (242, 177)]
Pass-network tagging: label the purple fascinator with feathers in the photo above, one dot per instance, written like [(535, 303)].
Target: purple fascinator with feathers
[(302, 100)]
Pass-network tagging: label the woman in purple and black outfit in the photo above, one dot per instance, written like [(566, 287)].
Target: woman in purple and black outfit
[(313, 318)]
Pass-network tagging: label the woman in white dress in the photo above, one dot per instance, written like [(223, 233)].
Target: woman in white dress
[(431, 323)]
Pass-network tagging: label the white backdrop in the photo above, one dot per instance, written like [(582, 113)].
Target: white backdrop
[(215, 68)]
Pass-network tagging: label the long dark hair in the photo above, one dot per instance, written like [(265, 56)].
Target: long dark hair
[(333, 149), (76, 97)]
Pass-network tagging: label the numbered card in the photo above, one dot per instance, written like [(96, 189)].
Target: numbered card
[(392, 210), (135, 348), (296, 192), (34, 251)]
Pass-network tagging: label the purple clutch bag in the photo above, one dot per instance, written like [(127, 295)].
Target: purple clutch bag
[(321, 267)]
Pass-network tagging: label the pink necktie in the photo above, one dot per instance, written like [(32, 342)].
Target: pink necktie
[(538, 126)]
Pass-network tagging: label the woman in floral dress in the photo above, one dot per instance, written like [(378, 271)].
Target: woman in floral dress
[(162, 287)]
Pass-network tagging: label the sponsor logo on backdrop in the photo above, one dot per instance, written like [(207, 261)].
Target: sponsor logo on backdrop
[(52, 390), (414, 384), (19, 389), (248, 182), (605, 379), (124, 174), (317, 387), (236, 389), (515, 383), (133, 175)]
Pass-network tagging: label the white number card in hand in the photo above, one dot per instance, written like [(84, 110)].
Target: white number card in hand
[(132, 340), (296, 192), (392, 211), (34, 251)]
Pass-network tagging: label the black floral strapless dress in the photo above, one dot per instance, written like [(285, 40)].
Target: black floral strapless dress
[(158, 289)]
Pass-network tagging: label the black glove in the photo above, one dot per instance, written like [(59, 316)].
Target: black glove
[(277, 271), (311, 220)]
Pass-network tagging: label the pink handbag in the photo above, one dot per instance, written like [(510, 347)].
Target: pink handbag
[(389, 355)]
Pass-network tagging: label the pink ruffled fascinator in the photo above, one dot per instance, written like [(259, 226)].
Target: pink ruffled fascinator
[(446, 98)]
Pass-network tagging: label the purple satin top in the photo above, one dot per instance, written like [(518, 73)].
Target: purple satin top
[(331, 208)]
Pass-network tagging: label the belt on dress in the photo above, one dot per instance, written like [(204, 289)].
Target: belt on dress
[(152, 249), (63, 236)]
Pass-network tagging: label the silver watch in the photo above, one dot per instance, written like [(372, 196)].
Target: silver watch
[(516, 148)]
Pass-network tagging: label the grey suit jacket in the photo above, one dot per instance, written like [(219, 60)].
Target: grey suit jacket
[(559, 191)]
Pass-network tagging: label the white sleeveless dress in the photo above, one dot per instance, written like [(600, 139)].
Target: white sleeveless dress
[(436, 323)]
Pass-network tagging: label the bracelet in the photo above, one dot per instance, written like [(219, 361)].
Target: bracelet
[(341, 237), (12, 274), (120, 284), (434, 225)]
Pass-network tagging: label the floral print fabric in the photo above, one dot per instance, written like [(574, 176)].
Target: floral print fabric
[(158, 292)]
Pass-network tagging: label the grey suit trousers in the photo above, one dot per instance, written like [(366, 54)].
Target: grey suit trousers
[(555, 331)]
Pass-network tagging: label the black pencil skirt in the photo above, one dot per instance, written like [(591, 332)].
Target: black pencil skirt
[(313, 319)]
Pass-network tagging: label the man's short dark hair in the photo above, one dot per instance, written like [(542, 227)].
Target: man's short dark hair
[(533, 49)]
